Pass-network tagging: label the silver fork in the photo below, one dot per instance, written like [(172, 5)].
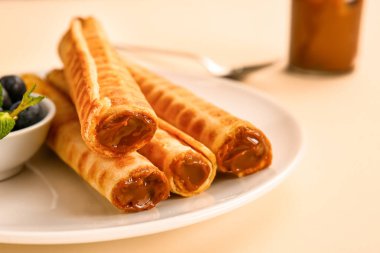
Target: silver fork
[(209, 64)]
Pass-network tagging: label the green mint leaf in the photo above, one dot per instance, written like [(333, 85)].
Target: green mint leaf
[(1, 95), (27, 101), (7, 123)]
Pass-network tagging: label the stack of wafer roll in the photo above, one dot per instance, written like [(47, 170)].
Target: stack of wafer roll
[(240, 147), (107, 130), (189, 165), (115, 118), (131, 183)]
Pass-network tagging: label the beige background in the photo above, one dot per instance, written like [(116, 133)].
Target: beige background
[(329, 204)]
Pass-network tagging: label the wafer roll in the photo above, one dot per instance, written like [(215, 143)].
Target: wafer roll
[(131, 183), (57, 79), (115, 118), (189, 165), (239, 146)]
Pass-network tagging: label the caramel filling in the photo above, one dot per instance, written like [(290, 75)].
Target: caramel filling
[(190, 172), (140, 192), (246, 152), (124, 132)]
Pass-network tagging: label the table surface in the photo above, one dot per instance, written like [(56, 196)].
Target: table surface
[(328, 204)]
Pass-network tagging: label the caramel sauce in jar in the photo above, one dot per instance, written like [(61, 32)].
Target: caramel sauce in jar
[(324, 35)]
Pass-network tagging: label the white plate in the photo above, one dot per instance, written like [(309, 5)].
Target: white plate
[(48, 203)]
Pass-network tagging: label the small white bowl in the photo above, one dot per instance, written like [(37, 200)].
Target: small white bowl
[(19, 146)]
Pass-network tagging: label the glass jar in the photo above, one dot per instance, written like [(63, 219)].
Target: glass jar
[(324, 35)]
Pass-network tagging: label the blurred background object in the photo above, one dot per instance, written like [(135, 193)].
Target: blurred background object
[(324, 35)]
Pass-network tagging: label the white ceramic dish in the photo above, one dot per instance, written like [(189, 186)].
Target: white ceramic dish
[(19, 146), (48, 203)]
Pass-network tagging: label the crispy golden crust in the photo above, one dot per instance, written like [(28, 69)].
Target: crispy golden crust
[(240, 147), (189, 165), (115, 117), (130, 183)]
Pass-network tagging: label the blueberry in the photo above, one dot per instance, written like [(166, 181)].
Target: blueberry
[(28, 117), (15, 87), (7, 102)]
